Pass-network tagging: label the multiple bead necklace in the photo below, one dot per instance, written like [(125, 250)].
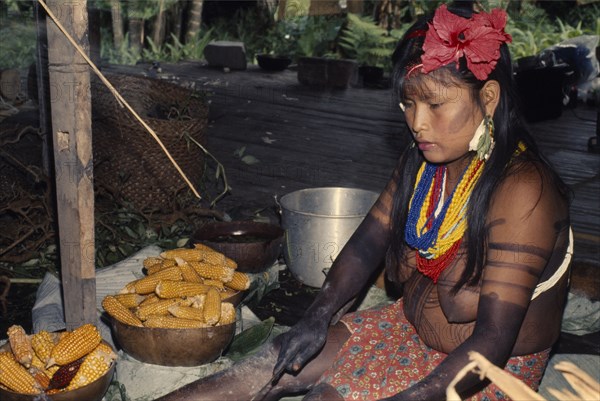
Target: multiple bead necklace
[(435, 227)]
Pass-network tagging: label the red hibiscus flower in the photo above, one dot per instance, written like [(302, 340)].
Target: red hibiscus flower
[(478, 39)]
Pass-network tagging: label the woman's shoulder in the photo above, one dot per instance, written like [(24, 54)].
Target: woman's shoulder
[(530, 184)]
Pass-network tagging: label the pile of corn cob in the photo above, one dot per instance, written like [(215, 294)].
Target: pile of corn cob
[(53, 362), (183, 288)]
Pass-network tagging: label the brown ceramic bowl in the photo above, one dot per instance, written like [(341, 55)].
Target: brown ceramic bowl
[(173, 347), (253, 246), (92, 392)]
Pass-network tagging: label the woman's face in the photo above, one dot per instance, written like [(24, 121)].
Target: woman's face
[(442, 118)]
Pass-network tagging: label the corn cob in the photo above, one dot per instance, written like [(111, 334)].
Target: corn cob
[(42, 344), (40, 376), (152, 261), (218, 284), (117, 310), (15, 377), (239, 282), (129, 288), (186, 254), (174, 289), (129, 300), (74, 345), (188, 272), (213, 272), (228, 293), (171, 322), (164, 264), (219, 259), (227, 314), (94, 366), (213, 256), (147, 284), (212, 306), (149, 299), (41, 365), (63, 376), (197, 301), (157, 308), (36, 362), (187, 312), (204, 248), (20, 344)]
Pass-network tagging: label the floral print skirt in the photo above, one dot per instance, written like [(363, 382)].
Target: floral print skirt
[(384, 355)]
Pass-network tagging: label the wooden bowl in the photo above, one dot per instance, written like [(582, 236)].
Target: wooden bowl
[(271, 62), (253, 246), (173, 347), (92, 392)]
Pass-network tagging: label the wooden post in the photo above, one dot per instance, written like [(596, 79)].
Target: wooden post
[(72, 139)]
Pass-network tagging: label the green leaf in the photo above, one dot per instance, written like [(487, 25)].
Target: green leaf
[(248, 341), (130, 232), (250, 160), (239, 152)]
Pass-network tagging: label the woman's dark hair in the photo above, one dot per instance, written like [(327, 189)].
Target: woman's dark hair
[(509, 130)]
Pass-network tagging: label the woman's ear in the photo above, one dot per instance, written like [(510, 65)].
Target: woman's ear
[(490, 95)]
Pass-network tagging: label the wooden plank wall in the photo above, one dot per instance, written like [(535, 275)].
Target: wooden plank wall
[(311, 138)]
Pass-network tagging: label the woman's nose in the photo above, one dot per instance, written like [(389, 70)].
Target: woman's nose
[(419, 121)]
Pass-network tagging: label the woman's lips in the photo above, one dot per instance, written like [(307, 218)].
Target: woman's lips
[(425, 146)]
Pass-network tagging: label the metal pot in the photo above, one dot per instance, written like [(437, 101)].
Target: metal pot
[(318, 222)]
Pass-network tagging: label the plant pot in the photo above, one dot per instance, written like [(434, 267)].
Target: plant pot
[(371, 75), (323, 72), (271, 62), (542, 91), (341, 72), (312, 71)]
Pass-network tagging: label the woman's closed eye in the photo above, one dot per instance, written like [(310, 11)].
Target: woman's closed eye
[(405, 105)]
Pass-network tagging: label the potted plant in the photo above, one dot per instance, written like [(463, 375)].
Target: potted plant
[(318, 63), (370, 45), (279, 52)]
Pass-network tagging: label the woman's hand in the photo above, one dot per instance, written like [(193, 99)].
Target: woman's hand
[(302, 342)]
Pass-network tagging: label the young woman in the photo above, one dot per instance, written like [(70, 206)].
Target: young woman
[(474, 223)]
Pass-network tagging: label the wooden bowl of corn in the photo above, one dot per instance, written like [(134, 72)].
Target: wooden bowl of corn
[(182, 312), (173, 347), (82, 365)]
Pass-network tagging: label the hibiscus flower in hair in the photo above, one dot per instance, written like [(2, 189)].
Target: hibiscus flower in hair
[(450, 37)]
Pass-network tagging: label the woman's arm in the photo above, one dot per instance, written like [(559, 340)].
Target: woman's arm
[(523, 226), (349, 274)]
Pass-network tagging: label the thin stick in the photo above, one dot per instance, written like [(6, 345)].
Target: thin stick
[(118, 96)]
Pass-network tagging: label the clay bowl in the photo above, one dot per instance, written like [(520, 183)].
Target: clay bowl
[(254, 246), (271, 62), (92, 392), (173, 347)]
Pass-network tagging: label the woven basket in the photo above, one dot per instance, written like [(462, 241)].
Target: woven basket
[(128, 162)]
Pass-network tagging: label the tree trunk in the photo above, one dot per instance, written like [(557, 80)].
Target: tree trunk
[(117, 23), (177, 18), (72, 139), (195, 20), (271, 5), (158, 34), (94, 35), (136, 35)]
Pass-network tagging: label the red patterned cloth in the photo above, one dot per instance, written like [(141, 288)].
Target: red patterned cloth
[(384, 355)]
